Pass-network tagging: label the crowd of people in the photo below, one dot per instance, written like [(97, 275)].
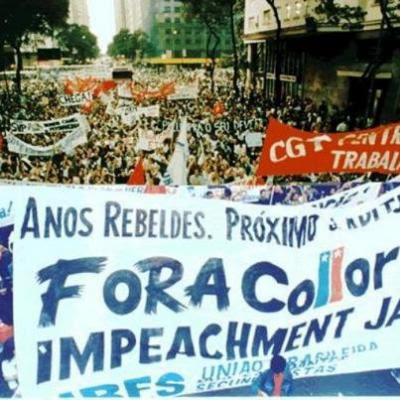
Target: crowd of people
[(8, 371), (218, 152)]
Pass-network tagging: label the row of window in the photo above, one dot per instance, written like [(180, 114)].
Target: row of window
[(291, 10), (197, 40), (176, 20), (186, 32), (176, 10), (178, 41)]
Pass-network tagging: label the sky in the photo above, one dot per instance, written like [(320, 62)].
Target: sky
[(102, 21)]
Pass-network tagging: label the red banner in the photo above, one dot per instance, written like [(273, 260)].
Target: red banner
[(162, 93), (290, 151)]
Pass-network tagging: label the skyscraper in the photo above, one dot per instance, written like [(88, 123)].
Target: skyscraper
[(78, 12), (120, 15), (134, 15)]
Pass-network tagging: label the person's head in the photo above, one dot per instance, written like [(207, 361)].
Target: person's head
[(278, 364)]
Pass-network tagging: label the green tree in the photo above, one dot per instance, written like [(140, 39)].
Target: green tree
[(388, 40), (214, 17), (331, 12), (21, 18), (278, 55), (130, 45), (78, 43)]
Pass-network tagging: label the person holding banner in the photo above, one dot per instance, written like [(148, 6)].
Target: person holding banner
[(276, 381), (5, 286)]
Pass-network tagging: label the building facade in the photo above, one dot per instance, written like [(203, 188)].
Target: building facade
[(176, 36), (120, 15), (134, 15), (171, 34), (78, 12), (325, 62)]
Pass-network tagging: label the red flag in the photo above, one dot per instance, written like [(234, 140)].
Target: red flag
[(167, 89), (219, 108), (138, 176), (103, 87), (1, 141), (69, 88), (87, 107), (291, 151)]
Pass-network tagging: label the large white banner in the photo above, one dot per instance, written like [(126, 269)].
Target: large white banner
[(137, 296), (185, 93), (150, 111), (66, 124), (64, 145), (6, 205), (349, 198)]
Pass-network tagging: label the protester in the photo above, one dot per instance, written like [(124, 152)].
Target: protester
[(276, 381), (217, 142)]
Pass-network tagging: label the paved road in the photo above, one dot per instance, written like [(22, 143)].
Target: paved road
[(378, 383)]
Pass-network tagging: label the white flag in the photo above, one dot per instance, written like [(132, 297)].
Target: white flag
[(177, 168)]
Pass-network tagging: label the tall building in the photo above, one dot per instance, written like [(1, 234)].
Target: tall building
[(322, 61), (120, 15), (175, 36), (78, 12), (134, 15), (171, 34)]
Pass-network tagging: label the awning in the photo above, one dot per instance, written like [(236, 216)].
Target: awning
[(358, 70)]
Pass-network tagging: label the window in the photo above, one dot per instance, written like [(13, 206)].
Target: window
[(177, 10), (298, 9), (288, 11), (267, 17), (168, 20), (188, 41), (168, 31), (167, 9), (177, 21), (188, 32), (252, 23)]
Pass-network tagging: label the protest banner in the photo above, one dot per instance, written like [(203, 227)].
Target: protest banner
[(254, 139), (76, 99), (6, 205), (66, 124), (150, 111), (125, 91), (64, 145), (290, 151), (185, 93), (351, 198), (118, 307)]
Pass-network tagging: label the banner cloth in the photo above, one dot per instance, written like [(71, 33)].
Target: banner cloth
[(130, 297), (56, 125), (290, 151)]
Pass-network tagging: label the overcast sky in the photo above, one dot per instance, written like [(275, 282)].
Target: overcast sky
[(102, 21)]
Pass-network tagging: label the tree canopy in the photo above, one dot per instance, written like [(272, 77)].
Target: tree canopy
[(130, 45), (331, 12), (19, 18), (78, 43)]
